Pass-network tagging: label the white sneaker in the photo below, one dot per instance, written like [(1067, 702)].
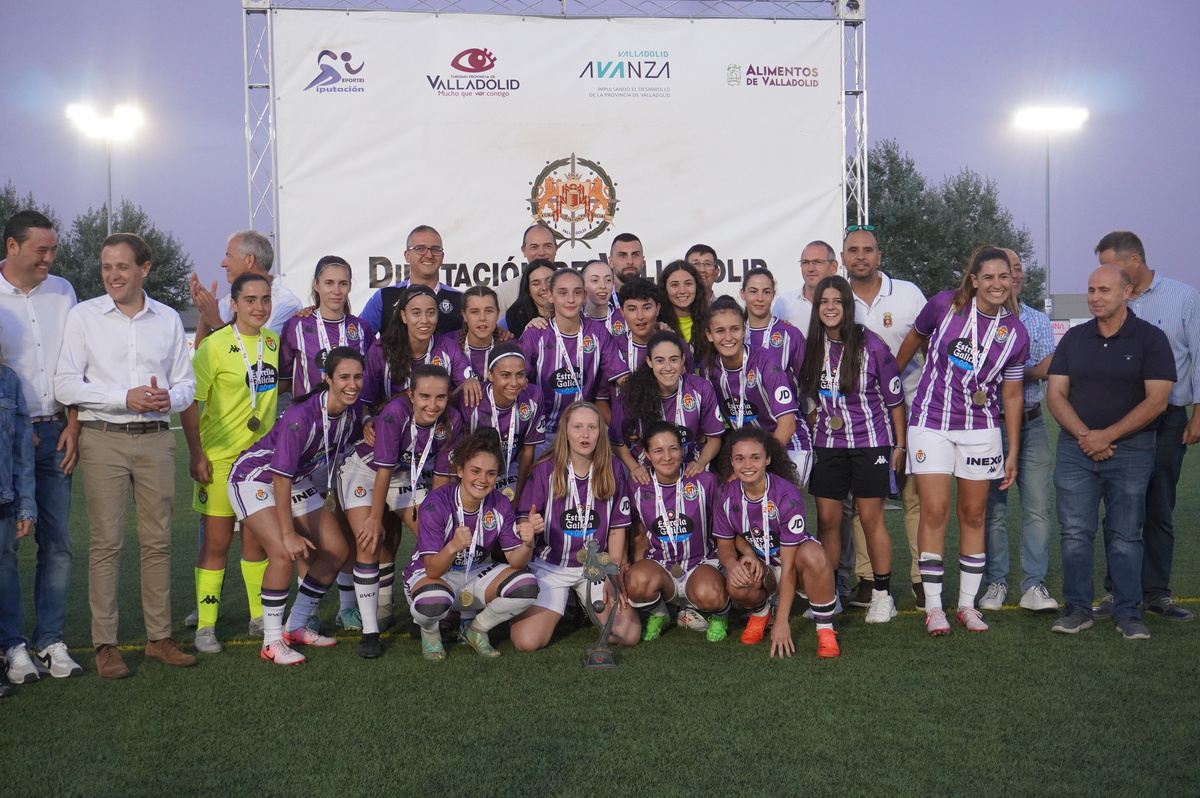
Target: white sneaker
[(1038, 599), (206, 641), (193, 619), (255, 627), (53, 660), (20, 667), (883, 607), (690, 618), (994, 598)]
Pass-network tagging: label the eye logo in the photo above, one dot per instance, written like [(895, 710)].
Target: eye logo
[(473, 61)]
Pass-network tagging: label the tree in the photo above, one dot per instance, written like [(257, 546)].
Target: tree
[(79, 260), (927, 233), (11, 202)]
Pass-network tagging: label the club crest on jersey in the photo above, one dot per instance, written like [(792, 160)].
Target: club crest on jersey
[(439, 432), (751, 378), (525, 411), (887, 319), (772, 510), (920, 455), (261, 495), (445, 307), (202, 496), (352, 332), (618, 327), (490, 520), (589, 343), (271, 344), (777, 339), (690, 403), (1001, 334), (691, 492), (360, 491), (438, 360)]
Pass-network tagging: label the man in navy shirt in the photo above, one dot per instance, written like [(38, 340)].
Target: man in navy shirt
[(1110, 377), (424, 253)]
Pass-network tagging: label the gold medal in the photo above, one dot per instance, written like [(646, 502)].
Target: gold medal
[(979, 398), (582, 556), (253, 424), (603, 558), (509, 493), (836, 422), (330, 503), (676, 570), (466, 598)]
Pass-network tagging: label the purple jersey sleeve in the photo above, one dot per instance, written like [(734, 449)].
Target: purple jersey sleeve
[(287, 350), (621, 514), (722, 522), (712, 420), (534, 494), (790, 506), (374, 389), (507, 518), (390, 425), (433, 520), (612, 365), (453, 430)]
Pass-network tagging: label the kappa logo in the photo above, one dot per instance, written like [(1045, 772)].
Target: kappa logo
[(772, 510), (776, 339), (920, 455), (589, 344), (880, 460), (1001, 334), (691, 492), (210, 599), (331, 79), (360, 491), (574, 198), (690, 403), (261, 495)]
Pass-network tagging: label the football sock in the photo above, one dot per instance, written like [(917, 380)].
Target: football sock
[(252, 576), (273, 603), (307, 598), (931, 569), (346, 597), (883, 581), (366, 583), (208, 596), (823, 614), (970, 576)]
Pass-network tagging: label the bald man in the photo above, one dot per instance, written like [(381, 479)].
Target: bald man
[(1109, 381), (1033, 476)]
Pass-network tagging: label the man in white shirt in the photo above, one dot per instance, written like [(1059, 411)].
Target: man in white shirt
[(124, 364), (888, 308), (818, 260), (33, 310), (246, 250)]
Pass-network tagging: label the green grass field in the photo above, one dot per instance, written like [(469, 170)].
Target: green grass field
[(1017, 711)]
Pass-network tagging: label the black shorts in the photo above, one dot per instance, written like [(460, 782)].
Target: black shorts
[(865, 473)]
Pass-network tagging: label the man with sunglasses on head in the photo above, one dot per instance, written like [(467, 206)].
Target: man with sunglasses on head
[(887, 307), (818, 260), (424, 253)]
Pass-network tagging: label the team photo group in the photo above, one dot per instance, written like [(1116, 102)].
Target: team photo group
[(514, 437)]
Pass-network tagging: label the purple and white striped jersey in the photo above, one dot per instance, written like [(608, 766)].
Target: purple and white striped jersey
[(378, 385), (681, 530), (396, 447), (566, 534), (777, 519), (634, 354), (302, 357), (767, 392), (475, 355), (864, 412), (948, 378), (297, 445), (614, 322), (694, 409), (529, 427), (561, 385), (784, 343), (439, 518)]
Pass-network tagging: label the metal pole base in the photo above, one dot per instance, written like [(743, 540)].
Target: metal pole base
[(599, 657)]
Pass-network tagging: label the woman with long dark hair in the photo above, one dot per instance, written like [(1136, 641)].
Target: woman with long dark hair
[(859, 430), (686, 304), (976, 348), (776, 337), (533, 301), (764, 545), (479, 333), (273, 494), (661, 389)]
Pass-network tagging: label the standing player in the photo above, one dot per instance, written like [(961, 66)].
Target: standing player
[(598, 281), (858, 431), (674, 559), (976, 346), (763, 544), (452, 565), (237, 380), (575, 494), (307, 339), (273, 494), (686, 304), (481, 313), (778, 338)]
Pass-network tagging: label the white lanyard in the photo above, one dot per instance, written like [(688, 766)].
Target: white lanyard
[(477, 534), (766, 550), (331, 462), (741, 414), (661, 508), (631, 352), (512, 427), (830, 377), (585, 510), (766, 339), (415, 469), (252, 374), (387, 370), (560, 355), (978, 360), (323, 337)]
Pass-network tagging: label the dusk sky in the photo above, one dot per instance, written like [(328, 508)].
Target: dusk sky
[(944, 79)]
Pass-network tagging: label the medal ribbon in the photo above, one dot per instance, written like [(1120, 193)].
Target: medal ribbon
[(827, 371), (512, 426), (560, 355), (585, 510), (415, 469), (741, 414), (477, 534), (766, 551), (331, 462), (252, 374), (661, 507), (977, 360), (322, 335)]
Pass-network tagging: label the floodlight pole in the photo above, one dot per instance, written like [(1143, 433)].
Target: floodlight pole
[(108, 150), (1049, 298)]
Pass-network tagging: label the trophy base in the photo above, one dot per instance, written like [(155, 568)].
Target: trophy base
[(599, 657)]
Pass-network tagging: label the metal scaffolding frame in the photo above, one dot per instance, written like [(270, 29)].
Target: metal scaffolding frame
[(258, 57)]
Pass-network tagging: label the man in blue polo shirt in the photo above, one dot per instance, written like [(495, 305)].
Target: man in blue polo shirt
[(424, 253), (1109, 379)]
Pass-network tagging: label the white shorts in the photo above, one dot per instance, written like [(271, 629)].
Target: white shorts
[(680, 582), (554, 581), (803, 461), (478, 581), (976, 454), (356, 486), (248, 498)]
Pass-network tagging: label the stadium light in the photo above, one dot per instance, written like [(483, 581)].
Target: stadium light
[(120, 126), (1048, 120)]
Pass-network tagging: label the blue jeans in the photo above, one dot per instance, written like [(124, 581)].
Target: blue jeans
[(1159, 530), (1033, 482), (1120, 482), (52, 533)]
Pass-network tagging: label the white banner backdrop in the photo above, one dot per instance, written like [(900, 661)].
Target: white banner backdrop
[(717, 131)]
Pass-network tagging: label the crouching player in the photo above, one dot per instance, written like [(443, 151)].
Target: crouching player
[(763, 544), (451, 568), (673, 554)]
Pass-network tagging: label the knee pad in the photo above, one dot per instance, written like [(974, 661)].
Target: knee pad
[(520, 585), (432, 601)]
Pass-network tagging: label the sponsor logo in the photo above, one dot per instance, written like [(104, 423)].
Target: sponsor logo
[(887, 319), (632, 73), (261, 495), (672, 529), (796, 524), (265, 377), (733, 75), (985, 461), (572, 524), (337, 73), (920, 455), (563, 383), (299, 496), (1001, 334), (895, 384), (573, 197), (691, 492), (961, 354), (625, 505), (360, 491), (469, 80), (783, 394), (880, 460), (690, 403), (210, 599), (779, 76)]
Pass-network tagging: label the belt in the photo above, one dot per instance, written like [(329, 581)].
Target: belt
[(132, 428), (1030, 414), (41, 419)]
